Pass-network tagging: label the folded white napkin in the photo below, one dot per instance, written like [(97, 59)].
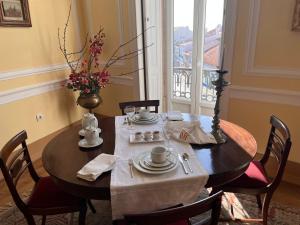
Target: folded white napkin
[(189, 132), (175, 115), (93, 169)]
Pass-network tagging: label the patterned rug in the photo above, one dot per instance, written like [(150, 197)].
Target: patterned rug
[(244, 207)]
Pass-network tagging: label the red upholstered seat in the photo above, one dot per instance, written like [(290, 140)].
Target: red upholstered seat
[(254, 177), (181, 222), (47, 194)]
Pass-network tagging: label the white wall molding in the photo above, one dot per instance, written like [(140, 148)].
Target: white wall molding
[(32, 71), (250, 68), (265, 95), (29, 91), (33, 90), (123, 80)]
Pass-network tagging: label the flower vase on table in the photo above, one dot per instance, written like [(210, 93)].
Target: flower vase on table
[(89, 101)]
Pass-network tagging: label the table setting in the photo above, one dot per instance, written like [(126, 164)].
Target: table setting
[(154, 165)]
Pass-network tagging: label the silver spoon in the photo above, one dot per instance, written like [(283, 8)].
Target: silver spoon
[(185, 157), (130, 162)]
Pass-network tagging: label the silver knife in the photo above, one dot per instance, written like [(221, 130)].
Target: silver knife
[(183, 166)]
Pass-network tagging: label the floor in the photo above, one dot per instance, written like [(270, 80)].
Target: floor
[(286, 194)]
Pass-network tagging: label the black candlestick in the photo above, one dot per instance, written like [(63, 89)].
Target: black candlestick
[(220, 83)]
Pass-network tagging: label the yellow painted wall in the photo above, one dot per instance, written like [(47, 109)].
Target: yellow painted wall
[(277, 47), (37, 46), (113, 16)]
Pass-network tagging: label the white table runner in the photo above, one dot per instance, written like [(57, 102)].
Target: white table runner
[(145, 192)]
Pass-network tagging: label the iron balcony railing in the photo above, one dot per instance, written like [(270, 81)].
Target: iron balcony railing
[(182, 80)]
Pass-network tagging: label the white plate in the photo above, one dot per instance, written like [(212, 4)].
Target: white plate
[(152, 121), (142, 140), (168, 165), (164, 164), (137, 165), (82, 132), (138, 117), (147, 167), (83, 144)]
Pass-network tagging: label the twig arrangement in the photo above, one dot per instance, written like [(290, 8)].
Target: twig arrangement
[(86, 74)]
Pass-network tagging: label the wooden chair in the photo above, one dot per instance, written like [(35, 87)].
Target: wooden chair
[(46, 198), (255, 180), (146, 104), (179, 215)]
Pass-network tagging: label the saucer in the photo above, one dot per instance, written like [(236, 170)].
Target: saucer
[(82, 132), (83, 144)]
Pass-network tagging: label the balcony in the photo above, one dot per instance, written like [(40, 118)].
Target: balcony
[(182, 79)]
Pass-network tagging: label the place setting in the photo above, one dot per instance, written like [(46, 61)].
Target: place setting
[(157, 161), (141, 116)]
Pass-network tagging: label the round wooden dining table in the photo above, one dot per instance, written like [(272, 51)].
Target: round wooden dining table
[(62, 157)]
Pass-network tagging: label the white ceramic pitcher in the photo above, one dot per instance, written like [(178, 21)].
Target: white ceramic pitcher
[(89, 120)]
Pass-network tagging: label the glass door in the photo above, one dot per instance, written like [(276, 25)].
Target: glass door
[(195, 41)]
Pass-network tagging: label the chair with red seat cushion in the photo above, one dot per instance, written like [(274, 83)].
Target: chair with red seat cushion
[(255, 180), (46, 198), (179, 215), (254, 177)]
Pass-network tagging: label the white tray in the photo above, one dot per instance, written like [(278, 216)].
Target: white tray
[(134, 141)]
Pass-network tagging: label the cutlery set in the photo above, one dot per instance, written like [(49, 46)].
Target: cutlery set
[(182, 158)]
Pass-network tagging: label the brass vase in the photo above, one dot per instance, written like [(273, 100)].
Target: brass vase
[(89, 101)]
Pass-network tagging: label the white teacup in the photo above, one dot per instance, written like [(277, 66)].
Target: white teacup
[(91, 136), (144, 113), (159, 154)]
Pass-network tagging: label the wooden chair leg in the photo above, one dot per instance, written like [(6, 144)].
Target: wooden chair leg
[(265, 209), (258, 199), (82, 214), (29, 219), (91, 206), (44, 220)]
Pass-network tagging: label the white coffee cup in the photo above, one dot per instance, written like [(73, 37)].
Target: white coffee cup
[(144, 113), (91, 136), (156, 135), (159, 154)]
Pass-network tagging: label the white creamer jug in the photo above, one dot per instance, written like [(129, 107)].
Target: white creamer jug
[(89, 120)]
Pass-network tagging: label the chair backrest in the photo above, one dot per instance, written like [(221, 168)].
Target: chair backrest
[(14, 160), (173, 215), (146, 104), (279, 145)]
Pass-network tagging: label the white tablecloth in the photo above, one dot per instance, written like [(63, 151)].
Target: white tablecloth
[(145, 192)]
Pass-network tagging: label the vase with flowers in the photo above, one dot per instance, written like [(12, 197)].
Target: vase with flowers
[(86, 75), (89, 78)]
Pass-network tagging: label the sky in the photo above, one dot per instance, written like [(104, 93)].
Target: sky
[(183, 13)]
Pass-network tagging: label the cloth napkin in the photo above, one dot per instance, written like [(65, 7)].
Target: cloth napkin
[(189, 132), (93, 169), (175, 115)]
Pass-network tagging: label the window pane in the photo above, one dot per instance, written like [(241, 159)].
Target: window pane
[(212, 47), (182, 48)]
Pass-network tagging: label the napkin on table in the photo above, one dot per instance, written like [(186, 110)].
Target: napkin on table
[(189, 132), (93, 169), (174, 115)]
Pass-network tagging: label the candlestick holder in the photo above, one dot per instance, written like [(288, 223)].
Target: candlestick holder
[(220, 83)]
